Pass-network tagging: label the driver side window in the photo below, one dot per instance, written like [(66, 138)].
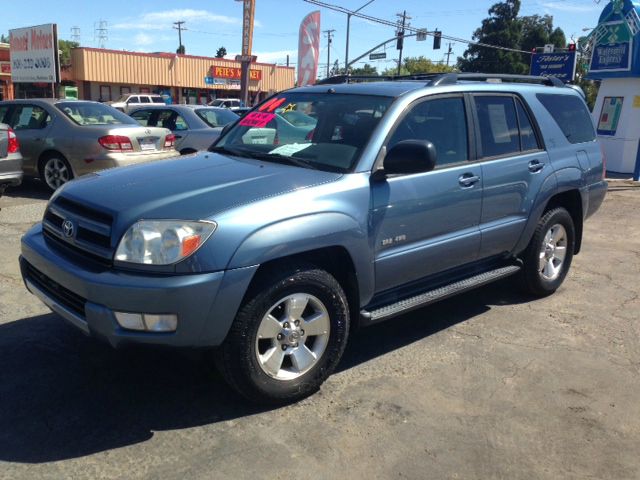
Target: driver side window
[(441, 121)]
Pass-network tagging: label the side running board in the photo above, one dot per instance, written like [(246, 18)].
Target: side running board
[(387, 311)]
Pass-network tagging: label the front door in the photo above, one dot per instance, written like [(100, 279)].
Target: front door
[(428, 222)]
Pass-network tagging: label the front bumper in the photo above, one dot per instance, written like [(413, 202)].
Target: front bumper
[(86, 296)]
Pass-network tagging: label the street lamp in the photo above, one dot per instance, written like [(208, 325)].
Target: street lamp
[(346, 54)]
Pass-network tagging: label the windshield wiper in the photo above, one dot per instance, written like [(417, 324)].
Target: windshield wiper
[(278, 158), (231, 151)]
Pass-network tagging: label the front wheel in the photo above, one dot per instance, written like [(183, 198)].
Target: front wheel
[(549, 254), (287, 337)]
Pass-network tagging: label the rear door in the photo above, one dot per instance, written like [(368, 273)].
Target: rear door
[(32, 125), (425, 223), (514, 167)]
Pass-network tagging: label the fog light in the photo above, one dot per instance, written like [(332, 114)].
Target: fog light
[(130, 321), (161, 323)]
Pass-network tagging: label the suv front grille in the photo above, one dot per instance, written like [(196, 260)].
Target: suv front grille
[(91, 228), (60, 294)]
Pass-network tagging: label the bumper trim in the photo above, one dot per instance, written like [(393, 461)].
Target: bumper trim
[(64, 312)]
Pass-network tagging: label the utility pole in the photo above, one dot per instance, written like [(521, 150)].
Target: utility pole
[(400, 32), (75, 34), (329, 34), (101, 33), (346, 53), (449, 52), (179, 28)]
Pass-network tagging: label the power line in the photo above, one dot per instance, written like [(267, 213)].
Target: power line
[(100, 33), (75, 34), (389, 23)]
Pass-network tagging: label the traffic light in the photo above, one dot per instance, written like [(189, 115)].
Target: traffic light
[(400, 40), (437, 39), (571, 47)]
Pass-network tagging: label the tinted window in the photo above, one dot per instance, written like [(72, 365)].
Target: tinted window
[(571, 115), (498, 125), (528, 139), (143, 117), (29, 117), (157, 100), (145, 100), (133, 100), (440, 121)]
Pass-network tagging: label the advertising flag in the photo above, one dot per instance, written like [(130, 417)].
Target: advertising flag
[(309, 49)]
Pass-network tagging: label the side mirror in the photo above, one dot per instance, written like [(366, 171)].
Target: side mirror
[(410, 156)]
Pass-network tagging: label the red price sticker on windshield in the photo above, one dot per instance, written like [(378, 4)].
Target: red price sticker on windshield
[(256, 119)]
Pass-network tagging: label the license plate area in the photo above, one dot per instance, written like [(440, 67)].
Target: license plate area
[(147, 143)]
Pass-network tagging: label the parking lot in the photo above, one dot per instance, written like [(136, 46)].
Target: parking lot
[(491, 384)]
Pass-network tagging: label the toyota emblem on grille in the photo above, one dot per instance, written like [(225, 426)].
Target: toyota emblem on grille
[(67, 228)]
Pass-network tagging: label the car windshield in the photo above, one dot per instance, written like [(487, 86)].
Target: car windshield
[(122, 99), (335, 130), (217, 103), (91, 113), (215, 117)]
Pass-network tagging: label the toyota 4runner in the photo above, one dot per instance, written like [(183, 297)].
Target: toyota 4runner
[(276, 242)]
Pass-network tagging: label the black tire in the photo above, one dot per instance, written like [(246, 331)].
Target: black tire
[(238, 357), (61, 165), (534, 279)]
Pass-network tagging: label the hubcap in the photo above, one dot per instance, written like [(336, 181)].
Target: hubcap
[(292, 336), (553, 252), (56, 173)]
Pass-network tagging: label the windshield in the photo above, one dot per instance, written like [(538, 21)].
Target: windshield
[(327, 131), (91, 113), (217, 103), (122, 99), (215, 117)]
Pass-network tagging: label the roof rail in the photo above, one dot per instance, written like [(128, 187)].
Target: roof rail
[(451, 78), (376, 78)]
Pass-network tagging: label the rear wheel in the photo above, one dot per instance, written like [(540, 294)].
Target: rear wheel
[(550, 252), (288, 336), (55, 171)]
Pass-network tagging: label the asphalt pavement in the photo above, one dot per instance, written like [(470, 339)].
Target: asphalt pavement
[(488, 385)]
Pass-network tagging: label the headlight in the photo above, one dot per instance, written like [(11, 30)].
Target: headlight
[(162, 242)]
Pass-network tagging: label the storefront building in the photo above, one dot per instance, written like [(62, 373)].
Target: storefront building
[(105, 75), (6, 87)]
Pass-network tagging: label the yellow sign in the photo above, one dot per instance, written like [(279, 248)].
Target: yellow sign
[(636, 101)]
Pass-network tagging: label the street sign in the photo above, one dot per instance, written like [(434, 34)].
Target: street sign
[(246, 58), (421, 35), (561, 65), (549, 48), (377, 56)]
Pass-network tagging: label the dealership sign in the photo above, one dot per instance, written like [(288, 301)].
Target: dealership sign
[(34, 54), (5, 68), (561, 65)]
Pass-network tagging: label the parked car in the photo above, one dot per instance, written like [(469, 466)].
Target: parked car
[(279, 130), (63, 139), (10, 158), (404, 193), (230, 103), (195, 127), (127, 103)]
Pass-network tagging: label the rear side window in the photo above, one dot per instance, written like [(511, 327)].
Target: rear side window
[(498, 125), (143, 117), (571, 115), (145, 100), (29, 117), (157, 100), (528, 139)]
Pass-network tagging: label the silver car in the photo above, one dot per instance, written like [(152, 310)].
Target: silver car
[(63, 139), (195, 127), (10, 158), (130, 101)]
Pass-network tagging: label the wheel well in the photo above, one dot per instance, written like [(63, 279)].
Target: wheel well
[(46, 155), (572, 202), (335, 260)]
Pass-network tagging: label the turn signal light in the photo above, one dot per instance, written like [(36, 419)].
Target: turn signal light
[(14, 146), (116, 143)]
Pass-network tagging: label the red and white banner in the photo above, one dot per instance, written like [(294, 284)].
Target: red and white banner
[(309, 49)]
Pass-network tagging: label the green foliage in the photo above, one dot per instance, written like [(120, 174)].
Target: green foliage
[(366, 70), (4, 38), (589, 87), (504, 28), (415, 65), (221, 52), (65, 46), (181, 50)]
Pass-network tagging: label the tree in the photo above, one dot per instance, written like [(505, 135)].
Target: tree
[(502, 28), (65, 46), (4, 38), (366, 70), (415, 65), (221, 52), (181, 50)]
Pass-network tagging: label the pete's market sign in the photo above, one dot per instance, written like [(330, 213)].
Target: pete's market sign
[(33, 54), (233, 73)]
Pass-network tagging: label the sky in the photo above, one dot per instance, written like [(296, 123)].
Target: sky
[(147, 25)]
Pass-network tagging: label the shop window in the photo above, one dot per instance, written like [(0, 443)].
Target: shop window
[(125, 90), (105, 93)]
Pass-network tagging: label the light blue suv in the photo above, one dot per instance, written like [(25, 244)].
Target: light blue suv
[(272, 247)]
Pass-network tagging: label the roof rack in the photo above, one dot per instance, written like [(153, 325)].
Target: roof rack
[(435, 79)]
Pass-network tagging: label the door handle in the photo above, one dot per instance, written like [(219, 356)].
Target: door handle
[(468, 180), (535, 166), (178, 136)]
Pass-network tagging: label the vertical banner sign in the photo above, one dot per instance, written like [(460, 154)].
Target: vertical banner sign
[(249, 9), (309, 49), (34, 54)]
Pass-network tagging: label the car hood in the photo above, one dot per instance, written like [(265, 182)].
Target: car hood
[(190, 187)]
